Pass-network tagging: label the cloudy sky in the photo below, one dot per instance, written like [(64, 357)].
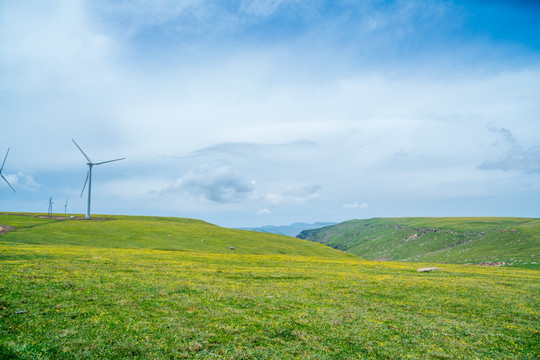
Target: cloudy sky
[(244, 113)]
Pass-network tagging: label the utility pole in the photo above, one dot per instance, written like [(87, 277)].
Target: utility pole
[(49, 212)]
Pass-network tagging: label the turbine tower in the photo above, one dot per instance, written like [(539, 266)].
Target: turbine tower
[(2, 168), (89, 176)]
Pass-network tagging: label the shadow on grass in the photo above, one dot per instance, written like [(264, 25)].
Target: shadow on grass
[(7, 354)]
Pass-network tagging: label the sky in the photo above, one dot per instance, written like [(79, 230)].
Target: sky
[(250, 113)]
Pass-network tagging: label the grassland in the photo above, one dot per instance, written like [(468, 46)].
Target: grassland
[(95, 290), (159, 233), (512, 241)]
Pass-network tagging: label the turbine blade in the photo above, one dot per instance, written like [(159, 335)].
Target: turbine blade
[(67, 206), (5, 157), (8, 183), (108, 161), (86, 156), (85, 181)]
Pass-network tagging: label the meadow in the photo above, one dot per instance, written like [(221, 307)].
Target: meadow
[(95, 290)]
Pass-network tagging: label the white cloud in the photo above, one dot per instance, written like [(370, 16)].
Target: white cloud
[(22, 181), (512, 155), (50, 45), (220, 185), (355, 205), (271, 199), (516, 158), (225, 185), (306, 192), (264, 212), (264, 8)]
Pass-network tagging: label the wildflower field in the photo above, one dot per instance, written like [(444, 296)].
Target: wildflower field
[(93, 290)]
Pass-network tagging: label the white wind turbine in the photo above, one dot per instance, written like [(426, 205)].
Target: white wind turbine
[(2, 168), (89, 176), (66, 206)]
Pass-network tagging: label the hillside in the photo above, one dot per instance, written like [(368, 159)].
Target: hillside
[(150, 288), (159, 233), (289, 230), (506, 241)]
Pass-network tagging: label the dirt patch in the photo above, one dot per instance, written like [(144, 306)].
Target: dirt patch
[(5, 229), (412, 237)]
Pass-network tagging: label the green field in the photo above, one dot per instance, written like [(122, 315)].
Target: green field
[(508, 241), (150, 288)]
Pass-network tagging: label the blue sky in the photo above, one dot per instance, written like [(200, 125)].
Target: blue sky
[(244, 113)]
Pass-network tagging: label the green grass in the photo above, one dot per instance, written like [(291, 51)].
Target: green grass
[(107, 296), (515, 241), (158, 233)]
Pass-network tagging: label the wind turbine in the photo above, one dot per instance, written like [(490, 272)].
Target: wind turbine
[(89, 176), (66, 206), (2, 168)]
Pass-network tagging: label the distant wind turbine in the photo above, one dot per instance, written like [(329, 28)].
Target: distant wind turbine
[(66, 206), (89, 176), (2, 168)]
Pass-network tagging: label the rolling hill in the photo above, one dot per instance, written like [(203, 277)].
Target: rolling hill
[(158, 233), (496, 241), (126, 287)]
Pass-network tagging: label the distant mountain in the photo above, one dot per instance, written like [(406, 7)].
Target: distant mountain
[(489, 241), (289, 230)]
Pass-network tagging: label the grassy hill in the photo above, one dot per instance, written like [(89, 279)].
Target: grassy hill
[(513, 241), (159, 233), (149, 288)]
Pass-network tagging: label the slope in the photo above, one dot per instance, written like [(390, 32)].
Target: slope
[(160, 233), (509, 241)]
